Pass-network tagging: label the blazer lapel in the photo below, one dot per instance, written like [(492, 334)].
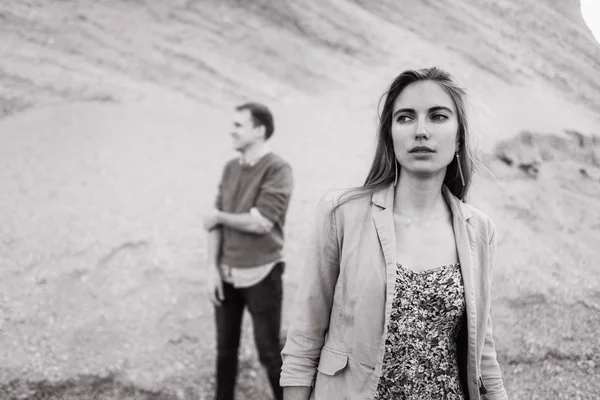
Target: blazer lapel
[(383, 217), (384, 223), (464, 248)]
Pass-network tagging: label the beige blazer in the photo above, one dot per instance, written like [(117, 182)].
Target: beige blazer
[(336, 338)]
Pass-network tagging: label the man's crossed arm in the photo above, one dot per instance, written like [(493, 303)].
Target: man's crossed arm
[(252, 222)]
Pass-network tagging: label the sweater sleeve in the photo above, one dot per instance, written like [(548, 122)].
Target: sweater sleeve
[(275, 192), (219, 197)]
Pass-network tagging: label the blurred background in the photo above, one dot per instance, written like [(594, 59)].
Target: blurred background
[(114, 122)]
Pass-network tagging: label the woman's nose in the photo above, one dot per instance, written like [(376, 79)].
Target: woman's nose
[(421, 131)]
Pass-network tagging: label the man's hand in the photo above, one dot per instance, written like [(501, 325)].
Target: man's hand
[(264, 225), (214, 286), (211, 219)]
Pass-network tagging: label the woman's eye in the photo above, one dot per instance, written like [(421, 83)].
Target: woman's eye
[(403, 118), (439, 117)]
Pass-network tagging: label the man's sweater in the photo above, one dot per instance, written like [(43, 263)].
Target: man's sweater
[(266, 186)]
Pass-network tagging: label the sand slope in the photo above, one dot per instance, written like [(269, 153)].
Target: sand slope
[(115, 129)]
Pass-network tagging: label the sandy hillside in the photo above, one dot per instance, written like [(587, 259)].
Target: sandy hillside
[(114, 129)]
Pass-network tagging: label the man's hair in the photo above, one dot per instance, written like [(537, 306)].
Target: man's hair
[(261, 116)]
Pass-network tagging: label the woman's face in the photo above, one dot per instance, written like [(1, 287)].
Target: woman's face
[(424, 128)]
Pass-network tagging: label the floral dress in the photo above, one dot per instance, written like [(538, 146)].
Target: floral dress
[(420, 360)]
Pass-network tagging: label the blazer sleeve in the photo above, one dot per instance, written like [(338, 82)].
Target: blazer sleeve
[(313, 301), (490, 369)]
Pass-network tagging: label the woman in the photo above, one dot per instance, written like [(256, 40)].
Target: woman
[(395, 299)]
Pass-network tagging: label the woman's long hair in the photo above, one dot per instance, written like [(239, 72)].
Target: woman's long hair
[(384, 166)]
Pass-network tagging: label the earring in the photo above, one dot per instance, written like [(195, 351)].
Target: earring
[(395, 173), (462, 178)]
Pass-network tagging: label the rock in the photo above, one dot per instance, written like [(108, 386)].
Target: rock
[(588, 150), (590, 173), (522, 152), (528, 150)]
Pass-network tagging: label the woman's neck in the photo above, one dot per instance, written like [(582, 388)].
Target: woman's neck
[(420, 198)]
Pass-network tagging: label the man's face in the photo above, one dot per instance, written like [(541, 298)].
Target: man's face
[(244, 133)]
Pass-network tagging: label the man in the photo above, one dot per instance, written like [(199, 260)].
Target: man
[(245, 243)]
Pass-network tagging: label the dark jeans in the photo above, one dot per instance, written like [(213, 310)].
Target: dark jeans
[(264, 304)]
